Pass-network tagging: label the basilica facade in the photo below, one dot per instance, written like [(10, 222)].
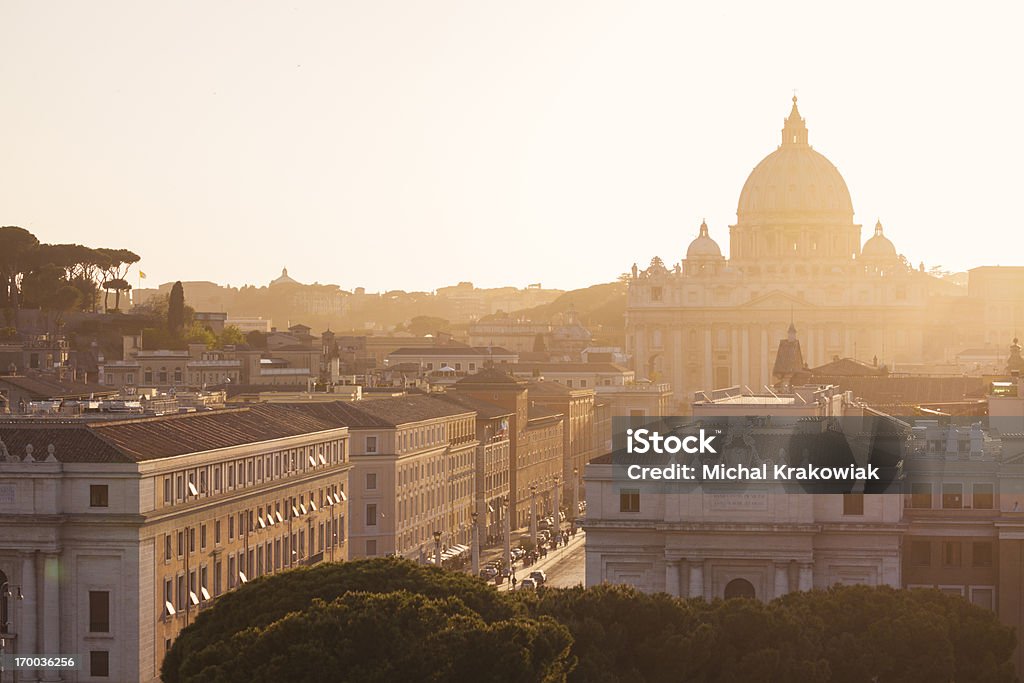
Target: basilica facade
[(795, 256)]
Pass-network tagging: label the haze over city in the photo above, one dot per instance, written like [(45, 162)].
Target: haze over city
[(367, 145)]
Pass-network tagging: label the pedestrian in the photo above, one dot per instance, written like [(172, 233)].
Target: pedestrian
[(513, 582)]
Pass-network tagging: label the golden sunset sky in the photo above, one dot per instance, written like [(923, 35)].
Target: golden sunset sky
[(410, 145)]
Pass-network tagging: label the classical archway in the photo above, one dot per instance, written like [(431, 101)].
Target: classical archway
[(739, 588)]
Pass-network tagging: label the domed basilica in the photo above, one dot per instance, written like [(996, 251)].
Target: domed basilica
[(795, 255)]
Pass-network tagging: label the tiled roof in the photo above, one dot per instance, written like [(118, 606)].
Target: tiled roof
[(140, 439), (450, 350), (490, 376), (484, 409), (538, 412), (569, 367), (384, 412), (43, 388)]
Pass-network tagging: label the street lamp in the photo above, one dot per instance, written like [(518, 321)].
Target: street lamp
[(475, 541), (575, 509), (558, 522), (437, 549), (507, 523), (533, 514)]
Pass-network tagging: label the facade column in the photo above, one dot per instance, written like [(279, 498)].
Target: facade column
[(51, 612), (672, 577), (708, 588), (806, 576), (709, 382), (766, 372), (696, 578), (781, 579), (684, 579), (29, 613), (734, 353), (745, 358)]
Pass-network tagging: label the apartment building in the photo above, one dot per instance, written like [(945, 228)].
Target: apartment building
[(117, 533), (414, 472)]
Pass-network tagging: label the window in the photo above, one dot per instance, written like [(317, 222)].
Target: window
[(167, 490), (952, 496), (371, 444), (167, 548), (629, 500), (981, 554), (371, 481), (99, 611), (216, 532), (983, 597), (231, 528), (177, 375), (921, 496), (202, 537), (371, 547), (99, 663), (98, 496), (371, 514), (951, 553), (853, 504), (655, 293), (920, 553), (168, 593), (983, 496)]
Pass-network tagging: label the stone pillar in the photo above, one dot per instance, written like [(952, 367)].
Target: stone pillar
[(734, 355), (766, 369), (708, 588), (806, 576), (709, 382), (745, 358), (672, 577), (29, 613), (696, 579), (781, 579), (684, 579), (51, 612)]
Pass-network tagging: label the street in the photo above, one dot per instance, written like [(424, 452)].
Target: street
[(564, 566)]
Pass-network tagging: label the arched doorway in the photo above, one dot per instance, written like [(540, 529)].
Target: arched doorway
[(739, 588)]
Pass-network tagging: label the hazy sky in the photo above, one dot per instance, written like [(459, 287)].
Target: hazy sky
[(415, 144)]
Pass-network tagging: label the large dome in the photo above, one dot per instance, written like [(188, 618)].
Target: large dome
[(795, 179)]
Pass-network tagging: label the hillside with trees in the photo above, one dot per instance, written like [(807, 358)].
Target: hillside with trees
[(57, 278)]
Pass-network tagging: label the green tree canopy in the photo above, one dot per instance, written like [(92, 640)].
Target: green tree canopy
[(176, 309)]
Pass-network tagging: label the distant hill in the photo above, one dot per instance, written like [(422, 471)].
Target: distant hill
[(601, 308)]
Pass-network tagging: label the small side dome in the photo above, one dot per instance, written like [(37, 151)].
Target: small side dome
[(879, 247), (703, 248)]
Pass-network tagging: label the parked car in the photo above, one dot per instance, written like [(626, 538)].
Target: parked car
[(518, 553), (538, 576), (527, 585), (488, 573)]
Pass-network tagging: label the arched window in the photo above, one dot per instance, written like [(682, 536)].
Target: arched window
[(739, 588)]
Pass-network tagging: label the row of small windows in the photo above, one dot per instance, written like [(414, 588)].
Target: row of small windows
[(252, 520), (952, 496), (196, 482), (952, 553)]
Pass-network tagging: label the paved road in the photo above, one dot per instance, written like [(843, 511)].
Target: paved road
[(569, 570), (564, 566)]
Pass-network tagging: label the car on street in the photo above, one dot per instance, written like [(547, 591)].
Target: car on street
[(527, 585), (538, 576)]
